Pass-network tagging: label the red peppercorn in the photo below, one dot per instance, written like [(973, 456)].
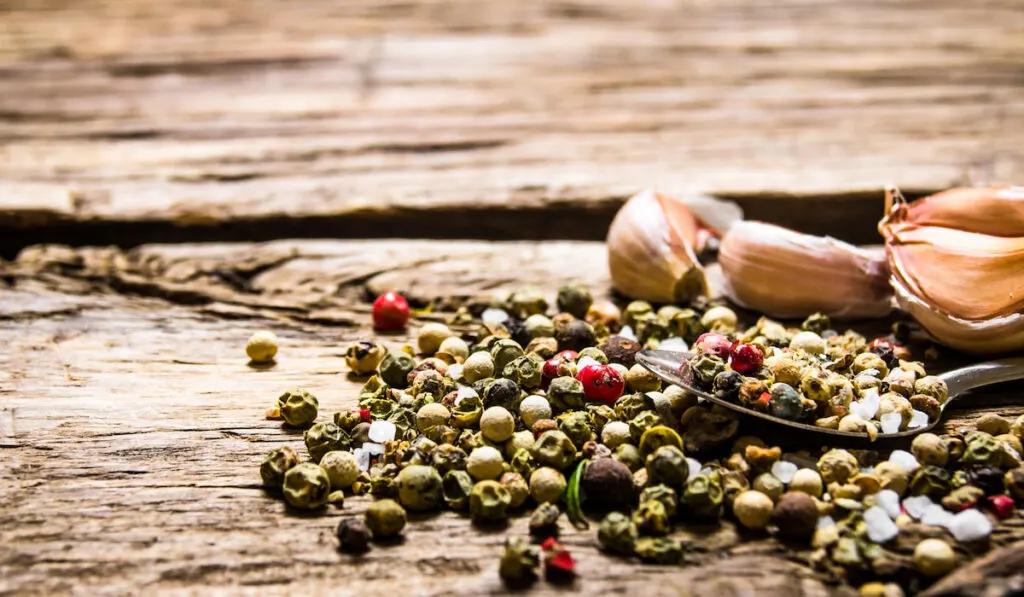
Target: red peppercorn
[(1002, 506), (364, 415), (390, 312), (716, 344), (601, 383), (882, 343), (568, 355), (746, 358), (762, 401), (558, 562)]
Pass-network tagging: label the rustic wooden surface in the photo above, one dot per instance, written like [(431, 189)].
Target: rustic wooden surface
[(133, 121), (131, 428)]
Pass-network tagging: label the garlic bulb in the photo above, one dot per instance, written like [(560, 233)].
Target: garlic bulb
[(786, 274), (957, 263), (651, 250)]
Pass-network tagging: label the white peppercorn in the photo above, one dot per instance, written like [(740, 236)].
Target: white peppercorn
[(753, 509), (497, 424), (808, 481), (432, 415), (262, 346), (615, 434), (485, 463), (477, 366), (934, 557), (547, 485), (533, 409), (431, 336), (342, 468)]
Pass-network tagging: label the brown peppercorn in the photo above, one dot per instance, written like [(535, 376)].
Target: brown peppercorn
[(760, 458), (620, 350), (992, 424), (796, 515), (608, 484), (574, 334)]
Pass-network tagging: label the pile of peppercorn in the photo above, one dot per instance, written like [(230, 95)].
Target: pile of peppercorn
[(524, 409)]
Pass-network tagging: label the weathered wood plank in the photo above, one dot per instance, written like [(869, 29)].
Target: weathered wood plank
[(131, 427), (243, 120)]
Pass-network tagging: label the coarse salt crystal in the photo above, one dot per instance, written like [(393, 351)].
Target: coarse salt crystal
[(463, 393), (880, 527), (919, 420), (586, 362), (916, 505), (373, 449), (694, 465), (904, 459), (970, 525), (362, 459), (453, 371), (627, 333), (891, 422), (826, 521), (889, 501), (867, 406), (674, 344), (494, 316), (936, 516), (784, 471), (382, 431)]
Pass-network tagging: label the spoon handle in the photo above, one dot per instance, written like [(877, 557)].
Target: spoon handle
[(983, 374)]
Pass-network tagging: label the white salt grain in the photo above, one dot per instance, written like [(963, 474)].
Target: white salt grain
[(494, 316), (453, 371), (464, 392), (382, 431), (916, 505), (867, 406), (970, 525), (880, 527), (586, 362), (936, 516), (784, 471), (826, 521), (674, 344), (362, 459), (919, 420), (891, 422), (889, 501), (904, 459), (373, 449), (694, 465), (627, 333)]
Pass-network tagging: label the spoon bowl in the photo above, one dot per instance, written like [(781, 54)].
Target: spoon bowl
[(669, 366)]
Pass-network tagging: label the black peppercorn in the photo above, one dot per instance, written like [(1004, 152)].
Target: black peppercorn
[(354, 536), (517, 331), (607, 485), (727, 385), (988, 479), (574, 334)]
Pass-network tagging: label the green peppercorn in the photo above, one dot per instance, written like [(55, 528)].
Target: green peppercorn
[(659, 550), (817, 323), (383, 487), (505, 351), (456, 487), (523, 462), (639, 424), (668, 465), (686, 324), (298, 408), (566, 393), (364, 357), (466, 414), (528, 301), (525, 371), (931, 481), (518, 488), (395, 368), (704, 368), (617, 534), (386, 518), (982, 449), (347, 419), (576, 426), (306, 486), (353, 536), (489, 502), (651, 518), (656, 437), (662, 493), (419, 488), (544, 520), (278, 462), (322, 438), (574, 299), (704, 495), (554, 449), (629, 455), (519, 561), (961, 498)]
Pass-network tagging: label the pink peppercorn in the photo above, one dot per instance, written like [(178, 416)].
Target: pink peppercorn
[(601, 383), (715, 344), (390, 312), (746, 358), (1002, 506)]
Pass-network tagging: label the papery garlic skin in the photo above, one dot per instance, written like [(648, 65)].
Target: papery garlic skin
[(786, 274), (651, 250), (957, 263)]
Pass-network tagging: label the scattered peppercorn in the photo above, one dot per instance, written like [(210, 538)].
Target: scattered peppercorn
[(385, 518), (353, 536), (261, 347)]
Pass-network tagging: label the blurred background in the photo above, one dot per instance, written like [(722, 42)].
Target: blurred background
[(132, 121)]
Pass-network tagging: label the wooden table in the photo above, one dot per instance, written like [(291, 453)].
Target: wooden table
[(130, 426)]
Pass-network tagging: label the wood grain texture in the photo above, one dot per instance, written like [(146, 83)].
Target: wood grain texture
[(131, 429), (134, 121)]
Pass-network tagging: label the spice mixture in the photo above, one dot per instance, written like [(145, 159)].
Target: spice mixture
[(522, 410)]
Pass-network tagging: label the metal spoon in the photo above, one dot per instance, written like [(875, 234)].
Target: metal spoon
[(667, 365)]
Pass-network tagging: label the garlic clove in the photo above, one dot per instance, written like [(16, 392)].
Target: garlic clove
[(998, 334), (651, 245), (996, 211), (966, 274), (960, 272), (786, 274)]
